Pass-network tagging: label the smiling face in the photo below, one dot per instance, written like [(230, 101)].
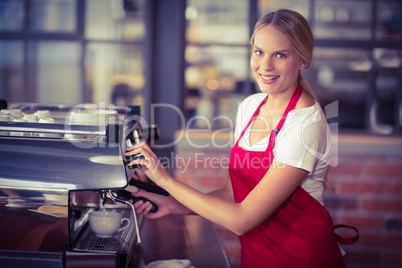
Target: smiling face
[(274, 61)]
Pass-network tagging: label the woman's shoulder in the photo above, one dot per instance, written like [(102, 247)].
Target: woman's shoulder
[(306, 112), (305, 101), (307, 125), (300, 118)]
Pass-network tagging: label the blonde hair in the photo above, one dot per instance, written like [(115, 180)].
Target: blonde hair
[(296, 28)]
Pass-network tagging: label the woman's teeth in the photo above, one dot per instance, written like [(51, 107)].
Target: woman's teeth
[(269, 77)]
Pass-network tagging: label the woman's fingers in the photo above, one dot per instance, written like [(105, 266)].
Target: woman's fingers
[(142, 207), (141, 148), (149, 159), (153, 168), (140, 175), (144, 150)]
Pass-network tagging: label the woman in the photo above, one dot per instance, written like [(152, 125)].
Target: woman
[(273, 199)]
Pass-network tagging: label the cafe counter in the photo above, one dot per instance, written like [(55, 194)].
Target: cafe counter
[(177, 237)]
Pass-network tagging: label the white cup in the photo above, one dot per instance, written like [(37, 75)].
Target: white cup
[(105, 223)]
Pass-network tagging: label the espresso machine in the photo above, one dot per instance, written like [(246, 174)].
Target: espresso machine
[(55, 171)]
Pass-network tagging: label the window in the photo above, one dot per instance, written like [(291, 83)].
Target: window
[(217, 56), (12, 15), (72, 51), (52, 16), (12, 66), (99, 48), (54, 70)]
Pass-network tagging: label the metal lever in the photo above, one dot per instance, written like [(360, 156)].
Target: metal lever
[(135, 156), (124, 201)]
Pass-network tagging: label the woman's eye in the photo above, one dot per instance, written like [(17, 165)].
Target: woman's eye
[(281, 56), (258, 52)]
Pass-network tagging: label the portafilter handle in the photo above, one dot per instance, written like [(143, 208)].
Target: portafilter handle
[(124, 201)]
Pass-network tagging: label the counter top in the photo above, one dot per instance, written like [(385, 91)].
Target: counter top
[(181, 237), (27, 230)]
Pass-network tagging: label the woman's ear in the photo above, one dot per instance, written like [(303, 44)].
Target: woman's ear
[(304, 65)]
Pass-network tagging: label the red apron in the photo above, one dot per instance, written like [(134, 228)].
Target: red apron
[(300, 233)]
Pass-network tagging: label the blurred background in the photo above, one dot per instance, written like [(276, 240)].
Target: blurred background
[(194, 55)]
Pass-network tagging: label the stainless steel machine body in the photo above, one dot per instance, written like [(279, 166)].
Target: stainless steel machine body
[(68, 169)]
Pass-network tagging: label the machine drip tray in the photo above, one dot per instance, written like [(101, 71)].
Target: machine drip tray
[(119, 242), (100, 243)]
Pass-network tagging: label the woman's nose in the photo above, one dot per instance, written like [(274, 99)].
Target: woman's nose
[(267, 64)]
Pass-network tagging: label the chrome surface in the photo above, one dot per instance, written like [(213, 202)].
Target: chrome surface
[(58, 164), (53, 128), (136, 224), (67, 167)]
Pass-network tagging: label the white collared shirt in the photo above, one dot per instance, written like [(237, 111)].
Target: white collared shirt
[(303, 142)]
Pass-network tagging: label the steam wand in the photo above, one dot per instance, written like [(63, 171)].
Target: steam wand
[(124, 201)]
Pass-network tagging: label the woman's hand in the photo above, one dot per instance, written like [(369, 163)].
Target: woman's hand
[(163, 203), (153, 167), (166, 205), (139, 175)]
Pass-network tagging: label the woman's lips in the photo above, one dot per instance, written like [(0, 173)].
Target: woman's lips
[(269, 79)]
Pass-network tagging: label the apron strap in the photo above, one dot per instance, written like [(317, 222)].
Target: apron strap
[(292, 104), (349, 239), (251, 119)]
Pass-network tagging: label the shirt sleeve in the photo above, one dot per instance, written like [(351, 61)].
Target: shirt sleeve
[(303, 142)]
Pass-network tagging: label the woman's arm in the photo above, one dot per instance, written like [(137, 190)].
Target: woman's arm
[(166, 205), (169, 205), (274, 188), (225, 193)]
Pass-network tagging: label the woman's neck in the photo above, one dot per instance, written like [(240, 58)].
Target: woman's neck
[(277, 103)]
